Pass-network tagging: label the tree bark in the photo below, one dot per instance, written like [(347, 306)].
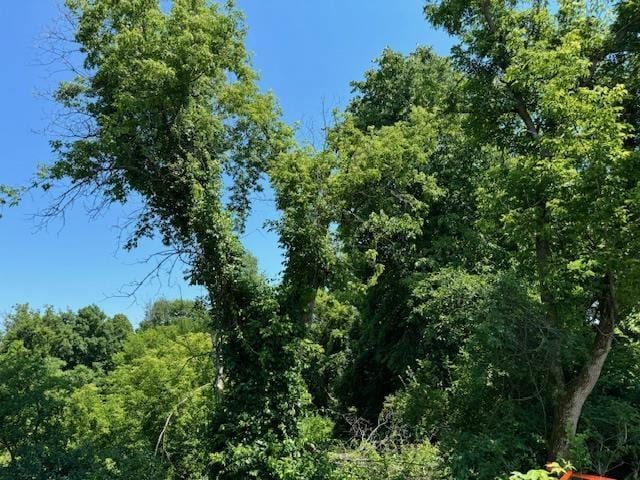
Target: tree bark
[(310, 308), (218, 365)]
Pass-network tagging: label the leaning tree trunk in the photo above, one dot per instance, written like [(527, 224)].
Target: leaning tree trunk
[(568, 398), (569, 408)]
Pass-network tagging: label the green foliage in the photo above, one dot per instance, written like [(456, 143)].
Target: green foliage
[(610, 423), (400, 83), (406, 208), (301, 180), (553, 471), (404, 463), (155, 403), (33, 392), (8, 196), (174, 106), (558, 199), (458, 259), (87, 338), (146, 418), (382, 451), (477, 388), (327, 350), (188, 315)]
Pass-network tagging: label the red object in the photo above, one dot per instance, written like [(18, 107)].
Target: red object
[(583, 476)]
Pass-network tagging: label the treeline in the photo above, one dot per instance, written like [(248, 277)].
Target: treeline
[(83, 396), (461, 284)]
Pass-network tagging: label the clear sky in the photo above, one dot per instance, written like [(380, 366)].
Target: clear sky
[(307, 52)]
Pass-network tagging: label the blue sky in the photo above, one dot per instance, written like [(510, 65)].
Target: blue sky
[(307, 52)]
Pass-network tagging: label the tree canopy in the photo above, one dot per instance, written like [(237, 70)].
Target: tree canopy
[(461, 280)]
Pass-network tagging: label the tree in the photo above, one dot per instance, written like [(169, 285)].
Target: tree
[(33, 392), (621, 62), (398, 84), (87, 338), (462, 251), (404, 188), (561, 194), (170, 104), (154, 409), (188, 314), (147, 416), (328, 349), (477, 387)]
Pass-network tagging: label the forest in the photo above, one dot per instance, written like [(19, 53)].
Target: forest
[(460, 293)]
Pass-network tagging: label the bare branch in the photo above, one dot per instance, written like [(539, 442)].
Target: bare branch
[(163, 433)]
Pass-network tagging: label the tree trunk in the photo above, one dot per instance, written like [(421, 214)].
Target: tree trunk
[(569, 409), (310, 307), (218, 365)]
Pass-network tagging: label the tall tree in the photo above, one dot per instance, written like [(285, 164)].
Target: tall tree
[(561, 194), (171, 108), (404, 187)]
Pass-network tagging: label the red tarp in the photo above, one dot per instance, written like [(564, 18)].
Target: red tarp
[(583, 476)]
